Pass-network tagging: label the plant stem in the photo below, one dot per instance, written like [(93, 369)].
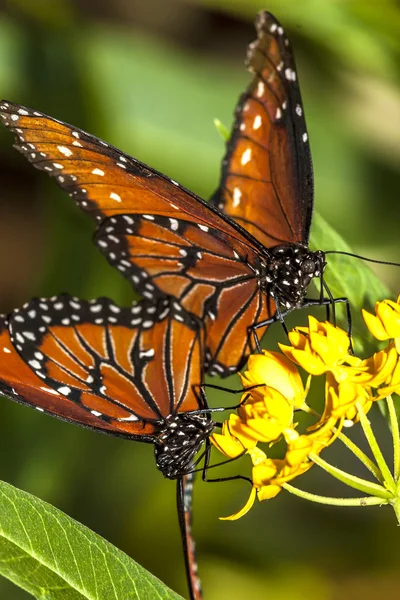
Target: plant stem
[(367, 501), (362, 457), (394, 424), (396, 507), (376, 451), (351, 480)]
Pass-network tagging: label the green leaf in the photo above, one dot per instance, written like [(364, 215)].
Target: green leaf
[(50, 555), (348, 277), (222, 129)]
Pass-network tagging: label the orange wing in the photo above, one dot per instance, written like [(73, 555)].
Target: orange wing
[(103, 180), (267, 177), (164, 238), (118, 370), (210, 279)]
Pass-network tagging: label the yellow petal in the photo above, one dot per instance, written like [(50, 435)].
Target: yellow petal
[(309, 362), (375, 325), (265, 470), (268, 491), (276, 371), (245, 508), (388, 313), (228, 445)]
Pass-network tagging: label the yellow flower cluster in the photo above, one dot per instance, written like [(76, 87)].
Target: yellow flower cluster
[(274, 392)]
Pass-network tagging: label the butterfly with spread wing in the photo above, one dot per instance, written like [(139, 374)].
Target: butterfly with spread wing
[(231, 269), (132, 372)]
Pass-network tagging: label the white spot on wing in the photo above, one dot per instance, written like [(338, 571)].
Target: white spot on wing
[(65, 390), (50, 391), (237, 194), (98, 172), (64, 150), (246, 156), (260, 89), (115, 196), (29, 335), (257, 122), (35, 364), (147, 353)]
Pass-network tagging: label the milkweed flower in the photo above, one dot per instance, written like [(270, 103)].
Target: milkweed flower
[(382, 370), (341, 398), (273, 390), (319, 348), (385, 324), (275, 396), (270, 475), (274, 370)]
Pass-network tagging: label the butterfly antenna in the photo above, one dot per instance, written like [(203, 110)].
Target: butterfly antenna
[(366, 259)]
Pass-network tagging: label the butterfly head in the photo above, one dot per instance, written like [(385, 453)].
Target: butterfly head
[(179, 439), (290, 272)]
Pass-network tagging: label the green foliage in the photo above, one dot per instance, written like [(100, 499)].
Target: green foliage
[(53, 557), (222, 130), (150, 80), (348, 277)]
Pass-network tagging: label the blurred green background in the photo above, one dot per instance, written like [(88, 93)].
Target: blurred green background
[(149, 77)]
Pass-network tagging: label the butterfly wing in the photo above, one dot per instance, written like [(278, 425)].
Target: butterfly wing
[(267, 177), (161, 236), (199, 266), (114, 369), (102, 180)]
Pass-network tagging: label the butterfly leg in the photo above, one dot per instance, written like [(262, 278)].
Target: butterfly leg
[(207, 466), (279, 316), (223, 389), (332, 302)]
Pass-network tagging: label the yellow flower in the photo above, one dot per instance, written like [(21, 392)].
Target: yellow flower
[(274, 370), (391, 385), (265, 416), (270, 474), (264, 470), (341, 398), (262, 418), (319, 348), (381, 371), (378, 368), (233, 441), (386, 324), (299, 447)]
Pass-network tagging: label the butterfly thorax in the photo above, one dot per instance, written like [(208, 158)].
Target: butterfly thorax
[(289, 272), (179, 439)]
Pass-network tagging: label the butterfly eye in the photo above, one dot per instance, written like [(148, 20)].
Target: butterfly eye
[(308, 267)]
